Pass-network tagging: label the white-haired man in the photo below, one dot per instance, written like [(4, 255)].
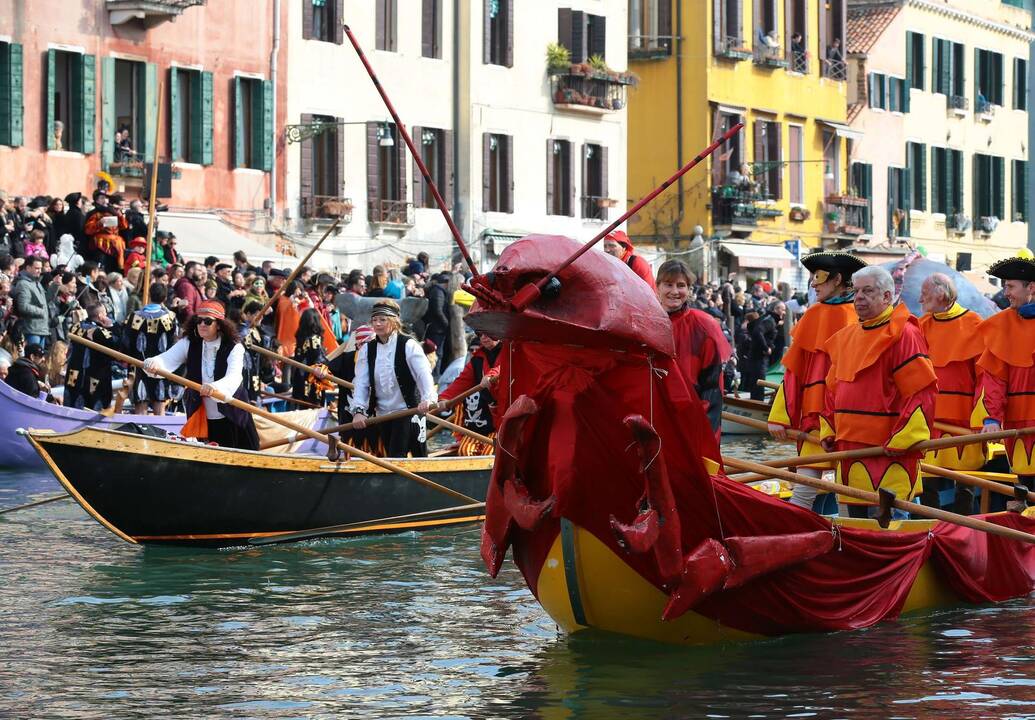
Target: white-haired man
[(881, 391), (954, 344)]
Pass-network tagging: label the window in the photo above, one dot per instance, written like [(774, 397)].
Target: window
[(1020, 84), (560, 184), (497, 173), (916, 162), (11, 116), (914, 60), (946, 181), (727, 26), (764, 18), (190, 115), (898, 95), (498, 26), (436, 151), (989, 187), (385, 26), (832, 39), (583, 34), (1019, 201), (899, 192), (768, 168), (594, 182), (795, 163), (650, 28), (862, 184), (947, 70), (431, 29), (796, 35), (70, 95), (988, 79), (322, 20), (386, 175), (253, 123), (731, 156), (878, 91), (831, 163), (321, 167), (129, 104)]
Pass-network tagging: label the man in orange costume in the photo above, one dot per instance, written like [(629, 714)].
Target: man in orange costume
[(1007, 398), (954, 344), (881, 390), (799, 401)]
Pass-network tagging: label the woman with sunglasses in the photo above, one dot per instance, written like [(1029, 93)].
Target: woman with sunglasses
[(211, 350)]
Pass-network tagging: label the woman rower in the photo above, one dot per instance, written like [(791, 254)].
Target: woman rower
[(392, 374), (214, 357), (309, 350)]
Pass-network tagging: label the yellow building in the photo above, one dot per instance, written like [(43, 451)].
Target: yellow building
[(708, 64)]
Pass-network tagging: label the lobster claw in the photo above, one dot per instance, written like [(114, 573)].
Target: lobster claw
[(527, 513), (640, 535)]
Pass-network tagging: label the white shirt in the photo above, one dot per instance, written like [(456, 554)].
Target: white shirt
[(227, 385), (389, 394)]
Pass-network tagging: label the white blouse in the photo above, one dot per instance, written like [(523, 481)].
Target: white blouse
[(227, 385), (389, 394)]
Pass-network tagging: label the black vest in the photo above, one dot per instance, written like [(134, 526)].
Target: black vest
[(192, 398), (407, 385), (477, 414)]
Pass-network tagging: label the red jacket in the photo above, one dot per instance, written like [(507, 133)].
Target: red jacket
[(639, 266)]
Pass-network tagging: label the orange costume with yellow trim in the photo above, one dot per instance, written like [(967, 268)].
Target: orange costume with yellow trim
[(1008, 383), (880, 391), (954, 344), (800, 399)]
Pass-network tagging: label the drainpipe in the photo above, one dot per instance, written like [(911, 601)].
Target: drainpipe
[(679, 115), (274, 58), (456, 120), (1031, 130)]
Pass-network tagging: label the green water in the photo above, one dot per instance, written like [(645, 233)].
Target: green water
[(411, 626)]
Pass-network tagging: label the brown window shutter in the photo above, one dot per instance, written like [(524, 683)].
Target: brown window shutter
[(740, 21), (307, 19), (373, 174), (379, 25), (449, 168), (585, 180), (776, 141), (508, 144), (418, 179), (822, 36), (305, 187), (564, 28), (427, 30), (717, 26), (508, 59), (486, 32), (569, 175), (549, 176), (604, 190), (597, 36), (400, 182), (486, 166), (665, 22), (338, 20), (578, 37), (339, 158)]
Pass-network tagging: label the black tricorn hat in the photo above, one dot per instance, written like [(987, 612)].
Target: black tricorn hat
[(1015, 268), (833, 261)]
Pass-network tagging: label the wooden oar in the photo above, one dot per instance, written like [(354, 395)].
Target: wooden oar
[(959, 477), (286, 397), (294, 273), (358, 527), (378, 419), (273, 417), (349, 386), (767, 384), (873, 498), (44, 501)]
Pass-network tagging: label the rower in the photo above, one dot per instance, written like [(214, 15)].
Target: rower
[(393, 374), (1007, 394), (475, 413), (881, 389), (214, 357), (151, 330), (799, 400), (954, 344), (88, 381)]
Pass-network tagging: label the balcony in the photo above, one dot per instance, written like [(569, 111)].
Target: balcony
[(798, 61), (767, 56), (846, 215), (584, 88), (150, 12), (744, 206), (732, 48), (958, 223), (326, 206), (958, 104), (595, 207), (390, 212), (649, 47), (835, 69)]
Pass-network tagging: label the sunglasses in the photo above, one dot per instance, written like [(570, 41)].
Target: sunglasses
[(206, 321)]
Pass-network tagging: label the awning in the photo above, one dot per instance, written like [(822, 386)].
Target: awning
[(199, 235), (496, 241), (752, 255), (842, 130)]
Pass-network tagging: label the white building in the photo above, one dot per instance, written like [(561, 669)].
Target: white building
[(513, 149)]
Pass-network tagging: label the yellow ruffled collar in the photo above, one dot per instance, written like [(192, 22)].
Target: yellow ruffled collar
[(880, 319)]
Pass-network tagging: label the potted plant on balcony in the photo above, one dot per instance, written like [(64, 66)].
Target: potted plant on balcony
[(558, 59), (833, 218)]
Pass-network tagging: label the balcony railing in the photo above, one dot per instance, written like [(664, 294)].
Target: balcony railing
[(798, 61), (326, 206), (594, 207), (846, 214), (835, 69), (584, 86), (733, 205), (769, 56), (390, 212), (958, 102), (149, 11), (958, 223), (732, 48), (649, 47)]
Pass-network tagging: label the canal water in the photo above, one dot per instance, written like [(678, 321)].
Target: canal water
[(412, 626)]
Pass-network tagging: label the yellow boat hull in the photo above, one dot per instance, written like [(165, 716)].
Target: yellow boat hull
[(583, 584)]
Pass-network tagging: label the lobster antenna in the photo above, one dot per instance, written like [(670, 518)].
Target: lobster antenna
[(413, 151)]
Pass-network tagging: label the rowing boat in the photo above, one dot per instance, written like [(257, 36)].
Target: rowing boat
[(746, 407), (157, 491)]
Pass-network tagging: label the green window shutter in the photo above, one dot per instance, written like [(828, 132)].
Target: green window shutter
[(238, 124), (107, 111), (920, 173), (979, 187), (88, 105), (904, 87), (49, 127), (945, 70), (262, 134), (921, 75), (999, 179), (206, 119), (957, 178), (910, 39), (979, 73), (951, 206), (175, 151), (1020, 190), (868, 181), (15, 96), (149, 111)]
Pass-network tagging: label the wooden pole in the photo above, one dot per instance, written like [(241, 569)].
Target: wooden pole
[(272, 417), (294, 273), (349, 386), (872, 498), (44, 501), (152, 201)]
